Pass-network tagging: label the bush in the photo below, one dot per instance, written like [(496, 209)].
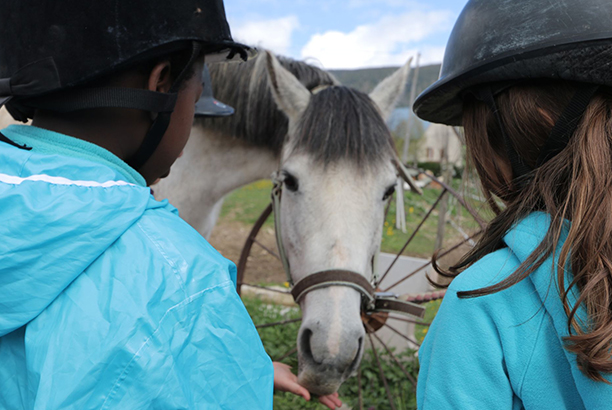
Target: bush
[(459, 170), (278, 340), (434, 167)]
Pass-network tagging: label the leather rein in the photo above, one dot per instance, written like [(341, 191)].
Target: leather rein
[(372, 301)]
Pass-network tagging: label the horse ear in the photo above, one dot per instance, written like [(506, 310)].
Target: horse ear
[(290, 95), (388, 93)]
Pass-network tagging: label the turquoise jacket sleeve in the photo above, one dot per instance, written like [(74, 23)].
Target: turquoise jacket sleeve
[(462, 361), (185, 363)]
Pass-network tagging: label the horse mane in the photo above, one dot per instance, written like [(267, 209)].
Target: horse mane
[(245, 87), (339, 123)]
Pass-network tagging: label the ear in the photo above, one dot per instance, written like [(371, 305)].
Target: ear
[(290, 95), (388, 93), (160, 77)]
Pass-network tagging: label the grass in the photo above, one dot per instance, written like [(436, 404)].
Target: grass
[(246, 204), (431, 309)]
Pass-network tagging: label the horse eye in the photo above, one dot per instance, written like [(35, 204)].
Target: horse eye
[(389, 193), (291, 182)]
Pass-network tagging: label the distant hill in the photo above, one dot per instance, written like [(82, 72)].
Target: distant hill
[(366, 79)]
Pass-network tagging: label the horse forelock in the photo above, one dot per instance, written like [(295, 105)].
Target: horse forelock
[(245, 87), (343, 123)]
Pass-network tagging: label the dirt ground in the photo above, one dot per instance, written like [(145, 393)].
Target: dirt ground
[(229, 238)]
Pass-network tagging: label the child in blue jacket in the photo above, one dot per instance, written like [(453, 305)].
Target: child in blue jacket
[(108, 300), (527, 321)]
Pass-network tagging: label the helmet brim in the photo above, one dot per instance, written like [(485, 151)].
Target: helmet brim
[(210, 107)]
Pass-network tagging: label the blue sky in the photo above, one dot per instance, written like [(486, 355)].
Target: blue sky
[(347, 33)]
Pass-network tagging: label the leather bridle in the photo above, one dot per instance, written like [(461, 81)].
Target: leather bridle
[(372, 301)]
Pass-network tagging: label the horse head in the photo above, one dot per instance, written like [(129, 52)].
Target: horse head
[(338, 170)]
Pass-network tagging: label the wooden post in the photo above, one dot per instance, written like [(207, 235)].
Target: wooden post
[(413, 91), (447, 169)]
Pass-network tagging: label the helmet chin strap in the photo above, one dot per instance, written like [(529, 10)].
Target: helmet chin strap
[(567, 123), (162, 119), (519, 167)]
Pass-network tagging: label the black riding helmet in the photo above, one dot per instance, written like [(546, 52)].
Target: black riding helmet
[(498, 43), (49, 51), (208, 106)]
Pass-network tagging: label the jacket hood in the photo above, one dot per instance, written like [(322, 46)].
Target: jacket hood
[(523, 240), (59, 214)]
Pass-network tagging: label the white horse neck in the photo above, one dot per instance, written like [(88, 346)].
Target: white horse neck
[(212, 166)]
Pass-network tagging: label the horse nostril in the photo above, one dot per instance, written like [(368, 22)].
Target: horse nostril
[(355, 362), (306, 346)]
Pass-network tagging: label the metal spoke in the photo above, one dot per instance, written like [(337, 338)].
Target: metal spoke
[(359, 389), (462, 201), (281, 323), (263, 287), (382, 373), (388, 209), (413, 235), (443, 254), (401, 334), (408, 375), (244, 256), (286, 355), (415, 322), (265, 248)]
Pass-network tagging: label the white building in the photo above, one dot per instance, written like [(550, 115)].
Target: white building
[(437, 139)]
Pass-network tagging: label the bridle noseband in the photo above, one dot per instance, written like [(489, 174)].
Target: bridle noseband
[(372, 301)]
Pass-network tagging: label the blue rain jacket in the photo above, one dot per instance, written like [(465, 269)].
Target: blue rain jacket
[(505, 350), (108, 300)]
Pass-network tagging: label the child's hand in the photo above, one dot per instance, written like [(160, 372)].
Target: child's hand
[(332, 401), (286, 381)]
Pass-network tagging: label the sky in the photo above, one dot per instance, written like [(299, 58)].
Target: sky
[(347, 34)]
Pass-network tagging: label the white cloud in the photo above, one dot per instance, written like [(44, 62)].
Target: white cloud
[(273, 34), (387, 42)]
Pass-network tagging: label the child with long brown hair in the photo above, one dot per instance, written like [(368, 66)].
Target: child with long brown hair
[(527, 321)]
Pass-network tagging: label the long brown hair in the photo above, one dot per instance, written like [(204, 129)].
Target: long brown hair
[(575, 186)]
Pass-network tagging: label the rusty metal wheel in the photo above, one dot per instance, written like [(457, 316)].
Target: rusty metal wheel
[(376, 323)]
